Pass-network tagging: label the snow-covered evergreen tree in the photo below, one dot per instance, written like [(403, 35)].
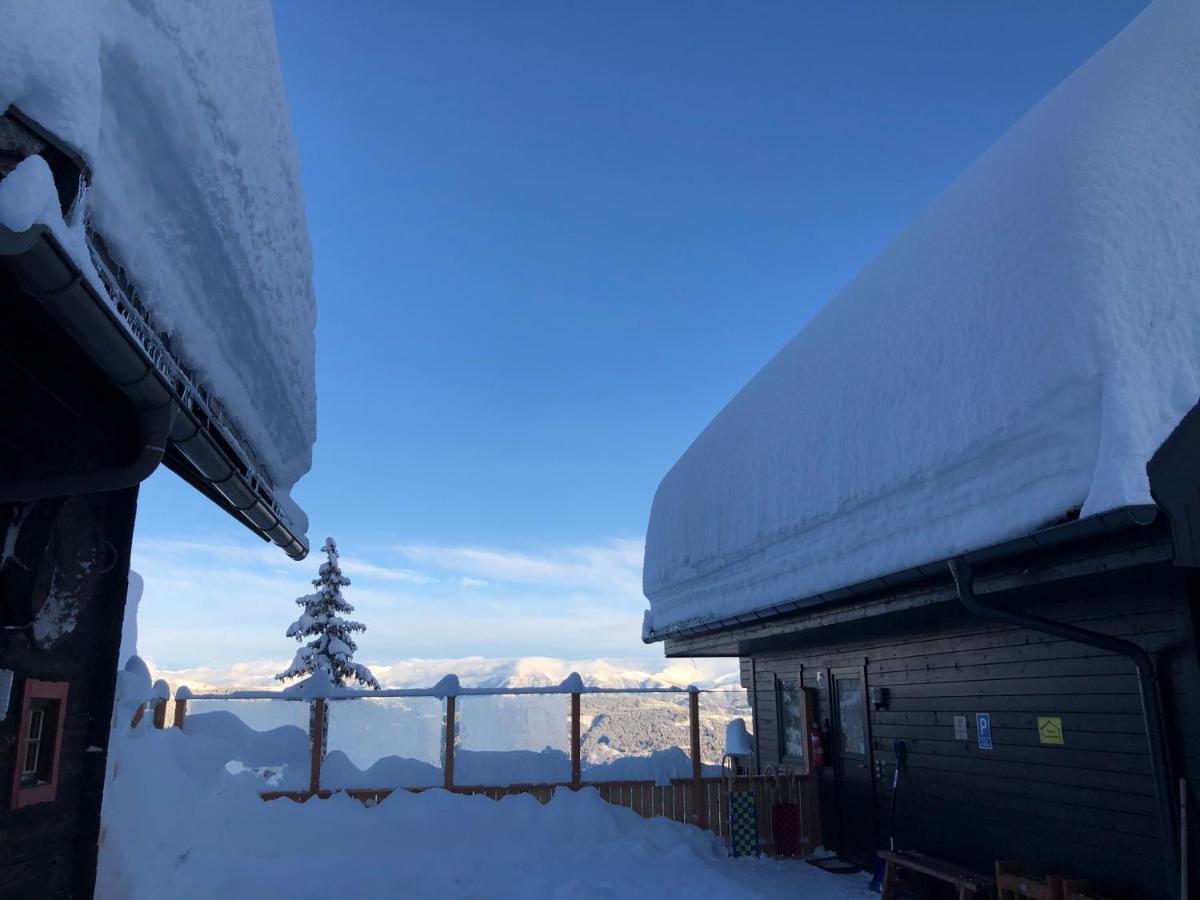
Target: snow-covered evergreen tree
[(332, 648)]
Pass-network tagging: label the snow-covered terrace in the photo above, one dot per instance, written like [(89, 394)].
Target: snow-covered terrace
[(1011, 361), (183, 818)]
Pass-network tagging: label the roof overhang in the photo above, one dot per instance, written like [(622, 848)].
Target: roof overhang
[(184, 427), (1055, 537)]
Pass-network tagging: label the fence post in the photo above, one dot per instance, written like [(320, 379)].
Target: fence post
[(699, 800), (448, 766), (316, 737), (180, 711), (160, 713), (575, 767)]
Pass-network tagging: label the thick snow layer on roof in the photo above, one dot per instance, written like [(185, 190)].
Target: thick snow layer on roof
[(1020, 351), (179, 110)]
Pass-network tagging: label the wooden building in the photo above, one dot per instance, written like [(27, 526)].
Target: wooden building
[(955, 522), (92, 402), (1073, 772)]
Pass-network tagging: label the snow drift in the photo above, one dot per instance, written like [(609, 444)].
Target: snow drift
[(1018, 353), (179, 110), (182, 818)]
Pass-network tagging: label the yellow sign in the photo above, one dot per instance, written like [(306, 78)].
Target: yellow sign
[(1050, 730)]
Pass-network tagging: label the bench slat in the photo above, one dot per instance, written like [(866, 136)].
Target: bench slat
[(937, 868)]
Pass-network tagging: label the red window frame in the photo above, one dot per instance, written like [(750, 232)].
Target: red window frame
[(44, 792)]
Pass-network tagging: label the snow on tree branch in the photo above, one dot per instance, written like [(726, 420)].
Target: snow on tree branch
[(331, 648)]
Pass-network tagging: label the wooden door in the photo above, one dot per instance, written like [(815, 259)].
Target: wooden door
[(850, 745)]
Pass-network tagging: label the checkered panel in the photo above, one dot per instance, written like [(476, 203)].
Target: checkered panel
[(743, 823)]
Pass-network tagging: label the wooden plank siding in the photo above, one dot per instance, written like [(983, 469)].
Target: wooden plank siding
[(1086, 808), (672, 801), (49, 849)]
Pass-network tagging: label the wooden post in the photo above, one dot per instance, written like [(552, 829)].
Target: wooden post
[(575, 767), (316, 737), (699, 804), (160, 713), (448, 767), (137, 715), (180, 711)]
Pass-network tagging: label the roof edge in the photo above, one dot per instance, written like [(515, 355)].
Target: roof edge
[(136, 361), (1120, 519)]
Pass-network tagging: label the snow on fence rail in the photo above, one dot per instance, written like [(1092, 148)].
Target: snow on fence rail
[(701, 800)]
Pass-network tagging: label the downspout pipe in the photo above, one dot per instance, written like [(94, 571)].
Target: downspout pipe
[(1152, 715)]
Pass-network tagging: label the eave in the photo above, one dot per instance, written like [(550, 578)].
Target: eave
[(922, 581), (109, 326)]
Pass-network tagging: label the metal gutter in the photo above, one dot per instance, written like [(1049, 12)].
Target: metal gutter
[(1152, 715), (1054, 536), (154, 428), (179, 418)]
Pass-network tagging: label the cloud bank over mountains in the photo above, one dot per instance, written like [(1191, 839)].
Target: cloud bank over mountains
[(217, 604), (477, 671)]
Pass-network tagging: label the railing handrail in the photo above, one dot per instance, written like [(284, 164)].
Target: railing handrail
[(436, 693)]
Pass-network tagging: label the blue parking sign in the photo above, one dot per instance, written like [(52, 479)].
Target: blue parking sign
[(983, 722)]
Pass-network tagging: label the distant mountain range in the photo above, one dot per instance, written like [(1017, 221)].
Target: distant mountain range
[(478, 671), (613, 725)]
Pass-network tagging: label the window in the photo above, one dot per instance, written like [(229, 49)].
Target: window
[(33, 745), (851, 715), (39, 742), (792, 705)]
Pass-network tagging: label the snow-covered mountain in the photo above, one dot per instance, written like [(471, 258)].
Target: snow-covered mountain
[(613, 725), (545, 671), (479, 671)]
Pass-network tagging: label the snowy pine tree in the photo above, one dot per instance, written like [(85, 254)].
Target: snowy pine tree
[(332, 648)]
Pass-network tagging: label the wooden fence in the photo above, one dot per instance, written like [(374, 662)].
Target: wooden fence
[(646, 798), (700, 801)]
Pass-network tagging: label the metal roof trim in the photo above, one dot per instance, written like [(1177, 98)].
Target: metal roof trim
[(136, 361), (1114, 520)]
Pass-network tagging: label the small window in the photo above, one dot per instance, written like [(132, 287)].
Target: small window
[(792, 705), (39, 742), (852, 715), (31, 770)]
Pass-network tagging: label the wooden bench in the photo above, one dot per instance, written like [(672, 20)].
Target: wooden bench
[(969, 884), (1013, 884)]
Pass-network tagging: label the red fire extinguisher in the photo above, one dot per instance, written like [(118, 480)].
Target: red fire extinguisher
[(817, 739)]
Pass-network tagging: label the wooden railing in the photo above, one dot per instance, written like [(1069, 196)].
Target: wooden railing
[(698, 805), (699, 800), (675, 801)]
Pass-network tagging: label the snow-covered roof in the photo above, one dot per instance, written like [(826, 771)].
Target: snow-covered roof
[(179, 111), (1017, 353)]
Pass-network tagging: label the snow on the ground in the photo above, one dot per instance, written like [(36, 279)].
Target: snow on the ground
[(179, 109), (129, 624), (1019, 352), (178, 823)]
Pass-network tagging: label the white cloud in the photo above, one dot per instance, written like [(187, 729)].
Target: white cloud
[(217, 604), (361, 568), (615, 563)]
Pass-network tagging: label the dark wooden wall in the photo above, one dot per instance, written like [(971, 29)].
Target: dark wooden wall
[(50, 849), (1086, 808)]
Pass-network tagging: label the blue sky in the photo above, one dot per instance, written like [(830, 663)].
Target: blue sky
[(551, 241)]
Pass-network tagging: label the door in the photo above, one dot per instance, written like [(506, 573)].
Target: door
[(851, 747)]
